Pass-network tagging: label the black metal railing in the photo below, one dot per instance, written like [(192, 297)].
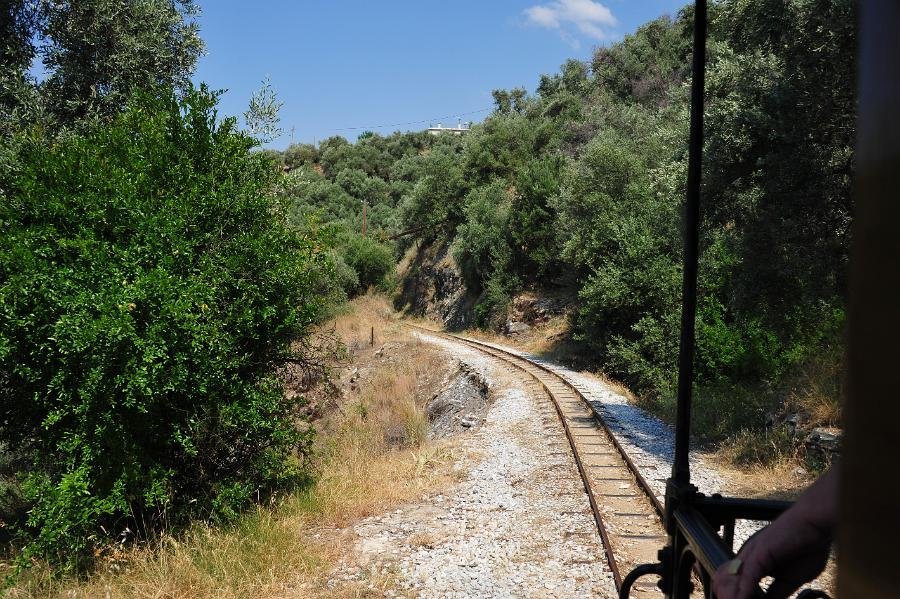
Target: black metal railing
[(701, 540)]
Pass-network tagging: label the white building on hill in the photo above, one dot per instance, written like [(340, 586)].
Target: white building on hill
[(458, 130)]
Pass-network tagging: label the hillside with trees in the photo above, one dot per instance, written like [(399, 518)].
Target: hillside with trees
[(578, 187), (159, 269)]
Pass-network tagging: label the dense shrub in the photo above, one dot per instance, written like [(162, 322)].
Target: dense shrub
[(372, 261), (436, 200), (481, 238), (297, 155), (483, 249), (148, 291), (533, 219)]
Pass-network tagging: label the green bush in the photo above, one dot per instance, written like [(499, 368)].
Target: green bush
[(372, 261), (481, 247), (435, 201), (532, 219), (297, 155), (148, 291), (344, 275)]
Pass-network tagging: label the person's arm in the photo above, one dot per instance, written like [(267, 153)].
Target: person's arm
[(793, 549)]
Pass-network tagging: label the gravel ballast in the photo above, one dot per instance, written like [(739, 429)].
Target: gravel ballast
[(649, 441), (518, 525)]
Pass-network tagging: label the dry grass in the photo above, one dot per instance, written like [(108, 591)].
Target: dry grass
[(817, 390), (780, 479), (543, 340), (265, 554), (371, 456), (385, 420), (810, 397), (369, 314)]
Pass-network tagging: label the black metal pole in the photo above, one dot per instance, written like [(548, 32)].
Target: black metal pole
[(681, 472)]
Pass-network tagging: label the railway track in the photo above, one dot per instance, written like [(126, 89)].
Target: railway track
[(626, 510)]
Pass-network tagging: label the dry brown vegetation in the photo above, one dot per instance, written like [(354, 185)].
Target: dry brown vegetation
[(818, 389), (371, 456)]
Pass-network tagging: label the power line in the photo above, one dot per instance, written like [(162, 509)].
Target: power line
[(431, 120)]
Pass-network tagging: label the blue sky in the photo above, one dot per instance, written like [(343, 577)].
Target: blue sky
[(344, 66)]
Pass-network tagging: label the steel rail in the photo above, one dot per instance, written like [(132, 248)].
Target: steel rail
[(512, 358), (641, 481)]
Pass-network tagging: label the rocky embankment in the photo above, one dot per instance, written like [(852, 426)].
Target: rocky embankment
[(431, 285)]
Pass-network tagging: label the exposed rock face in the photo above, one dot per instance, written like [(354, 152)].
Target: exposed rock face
[(516, 328), (531, 309), (431, 285), (460, 405), (825, 441), (537, 309)]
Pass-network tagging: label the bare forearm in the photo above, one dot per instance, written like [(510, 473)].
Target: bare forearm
[(817, 506)]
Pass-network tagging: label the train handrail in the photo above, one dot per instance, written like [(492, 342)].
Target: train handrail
[(697, 547)]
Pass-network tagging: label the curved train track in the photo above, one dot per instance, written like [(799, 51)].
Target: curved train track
[(626, 510)]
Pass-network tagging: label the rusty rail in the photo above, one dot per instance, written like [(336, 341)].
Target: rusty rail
[(513, 358)]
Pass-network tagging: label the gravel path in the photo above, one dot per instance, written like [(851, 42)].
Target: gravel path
[(518, 525)]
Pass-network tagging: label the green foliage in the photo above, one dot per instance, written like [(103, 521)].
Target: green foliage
[(327, 189), (336, 154), (620, 235), (533, 218), (513, 100), (148, 292), (372, 262), (345, 277), (18, 23), (649, 64), (100, 51), (573, 79), (304, 191), (788, 71), (436, 200), (504, 144), (372, 190), (582, 184), (483, 249), (262, 115), (481, 237), (297, 155)]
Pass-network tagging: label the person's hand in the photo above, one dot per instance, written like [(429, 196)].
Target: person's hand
[(793, 549), (792, 553)]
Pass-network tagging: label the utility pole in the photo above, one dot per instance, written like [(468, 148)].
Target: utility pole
[(292, 135)]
